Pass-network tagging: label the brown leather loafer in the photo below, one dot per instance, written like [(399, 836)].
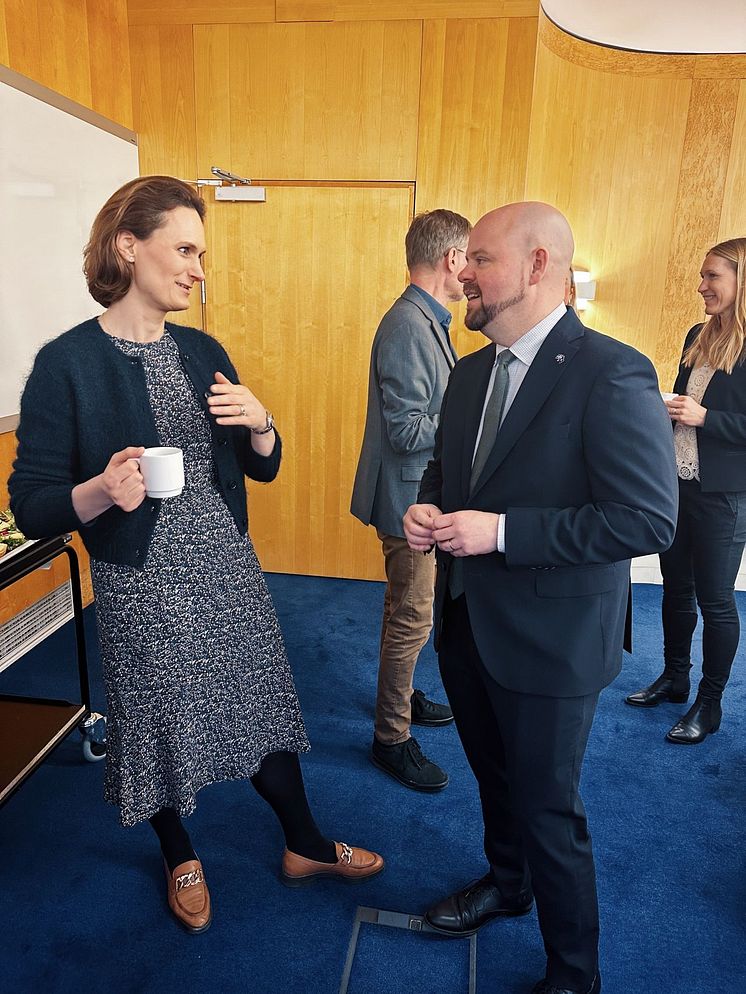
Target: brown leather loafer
[(188, 896), (352, 864)]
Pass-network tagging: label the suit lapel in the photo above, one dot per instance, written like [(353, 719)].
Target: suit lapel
[(552, 361), (411, 295), (473, 407)]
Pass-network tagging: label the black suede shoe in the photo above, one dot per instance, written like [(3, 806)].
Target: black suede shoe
[(406, 763), (425, 712), (665, 688), (464, 912), (702, 718), (544, 987)]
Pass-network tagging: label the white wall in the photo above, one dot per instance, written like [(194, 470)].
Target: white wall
[(645, 569), (689, 26)]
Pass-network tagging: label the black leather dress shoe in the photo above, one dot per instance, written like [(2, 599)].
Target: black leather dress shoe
[(407, 763), (425, 712), (702, 718), (464, 912), (544, 987), (662, 689)]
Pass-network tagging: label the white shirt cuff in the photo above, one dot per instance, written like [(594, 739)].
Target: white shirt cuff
[(501, 534)]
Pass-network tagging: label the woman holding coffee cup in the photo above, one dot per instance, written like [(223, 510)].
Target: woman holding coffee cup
[(198, 684), (708, 411)]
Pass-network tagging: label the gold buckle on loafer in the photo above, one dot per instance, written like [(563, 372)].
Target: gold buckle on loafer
[(190, 879), (346, 855)]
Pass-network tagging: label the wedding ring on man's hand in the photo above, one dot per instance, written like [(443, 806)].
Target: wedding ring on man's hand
[(242, 409), (450, 545)]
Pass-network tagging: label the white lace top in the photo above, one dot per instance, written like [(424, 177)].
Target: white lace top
[(684, 436)]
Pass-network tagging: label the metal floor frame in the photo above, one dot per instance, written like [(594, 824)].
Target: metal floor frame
[(398, 919)]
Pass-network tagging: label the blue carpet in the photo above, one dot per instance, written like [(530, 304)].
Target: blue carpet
[(82, 901)]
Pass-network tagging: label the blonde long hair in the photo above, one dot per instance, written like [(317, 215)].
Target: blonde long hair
[(720, 343)]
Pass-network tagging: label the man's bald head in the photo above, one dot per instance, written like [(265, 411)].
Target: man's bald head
[(531, 225), (516, 266)]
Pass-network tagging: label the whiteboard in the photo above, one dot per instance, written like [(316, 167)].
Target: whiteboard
[(56, 171)]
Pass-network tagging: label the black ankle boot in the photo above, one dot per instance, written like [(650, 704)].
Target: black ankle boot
[(665, 688), (702, 718)]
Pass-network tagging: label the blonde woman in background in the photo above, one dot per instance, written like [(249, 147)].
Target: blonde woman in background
[(709, 430)]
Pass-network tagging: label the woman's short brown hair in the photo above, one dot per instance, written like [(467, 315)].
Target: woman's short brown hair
[(140, 207)]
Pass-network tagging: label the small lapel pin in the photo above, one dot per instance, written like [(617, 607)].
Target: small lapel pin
[(559, 358)]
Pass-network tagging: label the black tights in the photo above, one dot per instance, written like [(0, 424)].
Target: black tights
[(280, 782)]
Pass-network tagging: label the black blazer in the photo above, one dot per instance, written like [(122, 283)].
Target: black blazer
[(721, 441), (583, 468)]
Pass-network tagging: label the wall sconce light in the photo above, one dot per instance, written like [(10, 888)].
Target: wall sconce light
[(585, 289)]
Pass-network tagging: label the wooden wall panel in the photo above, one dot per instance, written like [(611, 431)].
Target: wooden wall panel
[(475, 104), (308, 101), (108, 44), (200, 11), (4, 56), (606, 150), (77, 47), (390, 10), (7, 455), (704, 168), (257, 11), (163, 88), (733, 217), (45, 42), (297, 288)]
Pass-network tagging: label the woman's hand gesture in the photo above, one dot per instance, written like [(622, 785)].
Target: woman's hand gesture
[(234, 404)]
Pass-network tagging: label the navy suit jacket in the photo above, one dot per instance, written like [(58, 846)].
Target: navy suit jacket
[(721, 441), (583, 468)]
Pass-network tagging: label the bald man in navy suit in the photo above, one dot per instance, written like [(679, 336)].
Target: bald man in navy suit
[(553, 466)]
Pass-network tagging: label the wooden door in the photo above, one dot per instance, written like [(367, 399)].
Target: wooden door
[(295, 289)]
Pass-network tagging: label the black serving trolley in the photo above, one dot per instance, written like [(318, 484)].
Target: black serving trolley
[(32, 727)]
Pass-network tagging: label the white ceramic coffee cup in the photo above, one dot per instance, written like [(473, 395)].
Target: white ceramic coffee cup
[(162, 469), (668, 396)]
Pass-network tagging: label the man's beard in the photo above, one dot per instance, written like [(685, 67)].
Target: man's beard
[(476, 320)]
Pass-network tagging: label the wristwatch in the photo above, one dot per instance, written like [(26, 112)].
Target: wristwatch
[(270, 425)]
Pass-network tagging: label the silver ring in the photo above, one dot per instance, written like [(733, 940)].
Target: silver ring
[(242, 409), (450, 545)]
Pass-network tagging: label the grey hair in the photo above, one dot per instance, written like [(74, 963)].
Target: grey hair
[(431, 234)]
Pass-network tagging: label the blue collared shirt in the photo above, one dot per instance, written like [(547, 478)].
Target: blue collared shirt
[(441, 313)]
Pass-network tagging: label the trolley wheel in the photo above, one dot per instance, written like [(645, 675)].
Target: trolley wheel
[(93, 730), (94, 751)]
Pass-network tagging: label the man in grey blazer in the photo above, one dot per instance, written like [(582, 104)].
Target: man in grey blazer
[(410, 362)]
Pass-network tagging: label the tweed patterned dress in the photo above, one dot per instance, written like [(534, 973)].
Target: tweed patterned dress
[(197, 680)]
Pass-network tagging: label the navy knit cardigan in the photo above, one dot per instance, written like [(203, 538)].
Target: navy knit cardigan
[(86, 400)]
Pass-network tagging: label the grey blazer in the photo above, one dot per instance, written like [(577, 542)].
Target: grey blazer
[(410, 362)]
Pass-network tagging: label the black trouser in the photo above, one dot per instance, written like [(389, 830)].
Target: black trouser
[(526, 752), (701, 568)]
